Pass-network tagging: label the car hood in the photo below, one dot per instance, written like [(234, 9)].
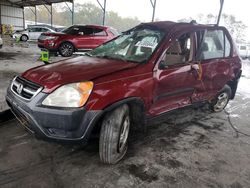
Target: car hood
[(74, 70)]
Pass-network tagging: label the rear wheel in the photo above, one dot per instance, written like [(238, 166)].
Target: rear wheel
[(114, 135), (66, 49), (221, 100), (24, 38)]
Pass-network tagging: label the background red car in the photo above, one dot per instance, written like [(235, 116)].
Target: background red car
[(75, 38)]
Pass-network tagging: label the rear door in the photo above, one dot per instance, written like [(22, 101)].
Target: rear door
[(84, 38), (99, 36), (214, 61), (174, 79), (34, 33)]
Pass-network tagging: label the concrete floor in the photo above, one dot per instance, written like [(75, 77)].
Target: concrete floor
[(188, 148)]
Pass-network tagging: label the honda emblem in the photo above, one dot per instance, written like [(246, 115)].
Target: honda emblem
[(19, 88)]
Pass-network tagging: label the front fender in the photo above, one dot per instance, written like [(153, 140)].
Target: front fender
[(105, 94)]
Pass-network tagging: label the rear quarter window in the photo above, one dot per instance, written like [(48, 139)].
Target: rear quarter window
[(99, 32), (114, 32)]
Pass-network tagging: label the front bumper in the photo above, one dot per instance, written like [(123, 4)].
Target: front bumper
[(59, 124), (48, 44)]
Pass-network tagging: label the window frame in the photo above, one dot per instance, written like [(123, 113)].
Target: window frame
[(193, 45), (225, 35), (103, 31)]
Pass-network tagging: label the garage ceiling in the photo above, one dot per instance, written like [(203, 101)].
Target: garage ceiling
[(26, 3)]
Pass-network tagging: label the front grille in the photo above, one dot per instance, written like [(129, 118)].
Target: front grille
[(24, 88)]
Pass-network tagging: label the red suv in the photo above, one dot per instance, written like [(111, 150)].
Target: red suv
[(75, 38), (147, 71)]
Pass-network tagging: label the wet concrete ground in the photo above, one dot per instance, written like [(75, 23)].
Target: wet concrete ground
[(188, 148)]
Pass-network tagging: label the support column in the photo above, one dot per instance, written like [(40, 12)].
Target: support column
[(221, 7), (51, 15), (35, 15), (103, 7), (72, 10), (153, 3)]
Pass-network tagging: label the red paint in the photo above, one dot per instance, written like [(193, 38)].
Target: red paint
[(115, 80)]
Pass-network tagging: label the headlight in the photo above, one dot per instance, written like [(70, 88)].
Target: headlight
[(70, 95), (51, 38)]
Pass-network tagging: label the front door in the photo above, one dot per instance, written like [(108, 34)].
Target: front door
[(175, 77)]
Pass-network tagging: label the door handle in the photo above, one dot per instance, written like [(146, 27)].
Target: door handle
[(197, 70), (195, 67)]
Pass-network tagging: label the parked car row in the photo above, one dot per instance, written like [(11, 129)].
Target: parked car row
[(69, 40), (140, 75)]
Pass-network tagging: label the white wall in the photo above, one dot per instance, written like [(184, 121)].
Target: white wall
[(11, 15)]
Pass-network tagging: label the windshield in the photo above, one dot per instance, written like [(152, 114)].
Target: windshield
[(137, 46)]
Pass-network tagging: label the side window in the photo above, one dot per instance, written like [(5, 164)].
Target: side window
[(180, 51), (243, 48), (45, 30), (99, 32), (33, 29), (215, 45), (38, 29), (86, 31), (74, 30)]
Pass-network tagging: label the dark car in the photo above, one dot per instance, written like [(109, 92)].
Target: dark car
[(75, 38), (147, 71)]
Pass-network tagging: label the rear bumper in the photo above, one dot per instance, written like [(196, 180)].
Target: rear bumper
[(59, 124)]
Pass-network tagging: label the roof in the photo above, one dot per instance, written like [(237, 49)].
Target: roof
[(26, 3), (167, 25)]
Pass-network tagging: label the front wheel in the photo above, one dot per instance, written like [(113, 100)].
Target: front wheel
[(113, 141), (221, 100), (66, 49)]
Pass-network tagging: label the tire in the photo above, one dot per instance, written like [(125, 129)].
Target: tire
[(113, 141), (221, 100), (24, 38), (66, 49)]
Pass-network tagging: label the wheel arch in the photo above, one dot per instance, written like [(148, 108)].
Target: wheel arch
[(233, 84), (137, 113), (24, 34), (66, 41)]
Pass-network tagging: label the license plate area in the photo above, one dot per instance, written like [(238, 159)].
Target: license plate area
[(22, 119)]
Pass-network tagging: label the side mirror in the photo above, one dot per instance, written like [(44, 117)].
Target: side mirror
[(80, 33)]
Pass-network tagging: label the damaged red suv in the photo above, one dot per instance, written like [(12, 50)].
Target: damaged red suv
[(147, 71), (76, 38)]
